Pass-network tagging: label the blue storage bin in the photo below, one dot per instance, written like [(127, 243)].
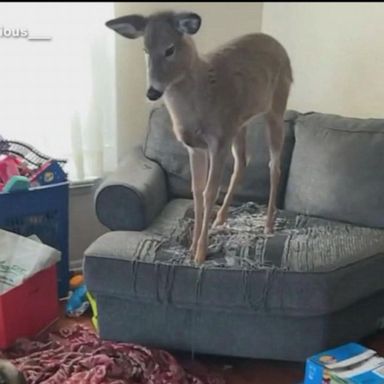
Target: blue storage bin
[(42, 211)]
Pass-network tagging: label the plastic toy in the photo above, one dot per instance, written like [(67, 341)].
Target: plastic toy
[(16, 183), (49, 173), (20, 159), (24, 151), (9, 167), (77, 303), (80, 300), (92, 301), (76, 281)]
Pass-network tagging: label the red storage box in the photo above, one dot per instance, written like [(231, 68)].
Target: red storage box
[(28, 308)]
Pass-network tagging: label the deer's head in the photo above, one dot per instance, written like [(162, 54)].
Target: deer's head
[(167, 45)]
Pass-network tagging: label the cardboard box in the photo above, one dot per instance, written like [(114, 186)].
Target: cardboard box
[(28, 308), (349, 364)]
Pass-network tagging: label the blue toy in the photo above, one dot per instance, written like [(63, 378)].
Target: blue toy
[(49, 173), (77, 302)]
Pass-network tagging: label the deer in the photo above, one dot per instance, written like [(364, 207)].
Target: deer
[(210, 99)]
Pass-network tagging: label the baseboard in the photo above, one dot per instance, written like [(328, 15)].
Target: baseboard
[(76, 265)]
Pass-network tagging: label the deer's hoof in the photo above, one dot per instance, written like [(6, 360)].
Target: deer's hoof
[(218, 221), (268, 230), (192, 250), (199, 257)]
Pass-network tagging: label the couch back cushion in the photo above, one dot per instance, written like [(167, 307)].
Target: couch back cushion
[(162, 147), (337, 169)]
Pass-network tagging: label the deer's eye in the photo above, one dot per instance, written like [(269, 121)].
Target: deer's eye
[(170, 51)]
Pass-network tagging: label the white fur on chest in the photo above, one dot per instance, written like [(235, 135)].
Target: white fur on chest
[(187, 122)]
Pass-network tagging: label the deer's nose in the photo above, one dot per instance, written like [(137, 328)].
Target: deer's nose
[(153, 94)]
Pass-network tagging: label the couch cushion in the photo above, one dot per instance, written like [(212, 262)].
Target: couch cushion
[(337, 169), (309, 267), (162, 147)]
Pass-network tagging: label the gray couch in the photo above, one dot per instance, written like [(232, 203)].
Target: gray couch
[(316, 283)]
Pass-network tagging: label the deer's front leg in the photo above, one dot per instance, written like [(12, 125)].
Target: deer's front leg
[(198, 160), (217, 156)]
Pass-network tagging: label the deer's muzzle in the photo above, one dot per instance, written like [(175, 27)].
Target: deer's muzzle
[(153, 94)]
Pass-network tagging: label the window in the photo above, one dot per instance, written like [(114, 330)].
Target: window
[(57, 82)]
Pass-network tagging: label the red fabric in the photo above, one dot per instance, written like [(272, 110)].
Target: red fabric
[(76, 355)]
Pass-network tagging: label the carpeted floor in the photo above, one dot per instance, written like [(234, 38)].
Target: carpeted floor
[(74, 354)]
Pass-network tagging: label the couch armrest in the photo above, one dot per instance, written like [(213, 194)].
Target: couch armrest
[(132, 196)]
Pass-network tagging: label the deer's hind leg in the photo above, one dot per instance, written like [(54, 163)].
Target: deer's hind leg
[(239, 155), (275, 135)]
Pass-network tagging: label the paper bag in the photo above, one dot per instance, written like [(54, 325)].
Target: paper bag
[(21, 258)]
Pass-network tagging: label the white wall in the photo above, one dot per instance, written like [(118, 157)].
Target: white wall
[(337, 53), (221, 22)]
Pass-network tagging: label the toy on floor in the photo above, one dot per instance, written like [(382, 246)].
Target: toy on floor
[(92, 301), (77, 303), (80, 300), (76, 281)]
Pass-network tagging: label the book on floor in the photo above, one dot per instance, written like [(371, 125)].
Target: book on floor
[(348, 364)]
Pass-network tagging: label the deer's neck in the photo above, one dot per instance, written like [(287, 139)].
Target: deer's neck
[(186, 101), (188, 92)]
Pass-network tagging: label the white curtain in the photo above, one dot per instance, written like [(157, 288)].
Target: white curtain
[(58, 94)]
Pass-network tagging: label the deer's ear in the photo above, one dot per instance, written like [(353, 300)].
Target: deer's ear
[(187, 22), (131, 26)]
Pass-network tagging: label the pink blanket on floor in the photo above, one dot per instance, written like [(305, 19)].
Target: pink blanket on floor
[(76, 355)]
